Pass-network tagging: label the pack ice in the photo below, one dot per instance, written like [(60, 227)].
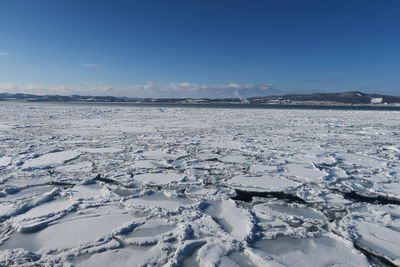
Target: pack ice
[(109, 185)]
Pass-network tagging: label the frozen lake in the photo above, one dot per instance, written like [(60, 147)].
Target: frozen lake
[(102, 185)]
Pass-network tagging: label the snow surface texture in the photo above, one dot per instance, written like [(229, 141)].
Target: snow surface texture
[(97, 185)]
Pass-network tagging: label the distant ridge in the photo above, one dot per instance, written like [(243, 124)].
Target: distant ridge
[(60, 98), (352, 97)]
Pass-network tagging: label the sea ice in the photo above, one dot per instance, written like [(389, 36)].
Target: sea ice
[(100, 185), (50, 159), (262, 183), (4, 161), (158, 178)]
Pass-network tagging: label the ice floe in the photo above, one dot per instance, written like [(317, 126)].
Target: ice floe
[(158, 178), (262, 183), (4, 161), (50, 159)]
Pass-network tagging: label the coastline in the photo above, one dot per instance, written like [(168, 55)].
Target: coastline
[(224, 105)]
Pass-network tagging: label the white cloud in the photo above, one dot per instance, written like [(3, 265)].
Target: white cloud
[(150, 89), (321, 81), (5, 54), (91, 65)]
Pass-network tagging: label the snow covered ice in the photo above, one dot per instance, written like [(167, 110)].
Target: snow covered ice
[(108, 185)]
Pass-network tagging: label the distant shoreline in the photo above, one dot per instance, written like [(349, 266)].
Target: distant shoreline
[(223, 105)]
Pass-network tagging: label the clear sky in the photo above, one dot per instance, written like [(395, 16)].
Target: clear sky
[(202, 48)]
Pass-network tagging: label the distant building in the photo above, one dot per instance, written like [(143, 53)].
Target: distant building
[(376, 100)]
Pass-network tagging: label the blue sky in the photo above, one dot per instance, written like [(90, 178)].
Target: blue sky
[(215, 48)]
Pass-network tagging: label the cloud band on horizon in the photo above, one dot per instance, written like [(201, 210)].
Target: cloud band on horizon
[(149, 89)]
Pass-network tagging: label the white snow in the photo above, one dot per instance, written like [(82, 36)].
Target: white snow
[(305, 172), (80, 231), (234, 159), (328, 250), (83, 166), (50, 159), (380, 239), (158, 178), (262, 183), (234, 220), (159, 200), (101, 149), (4, 161)]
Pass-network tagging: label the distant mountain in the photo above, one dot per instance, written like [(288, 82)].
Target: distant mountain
[(60, 98), (354, 97)]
